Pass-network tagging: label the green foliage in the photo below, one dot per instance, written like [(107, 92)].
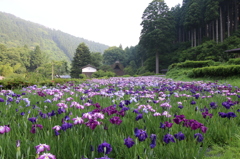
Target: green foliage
[(60, 81), (126, 76), (82, 76), (101, 73), (36, 59), (106, 68), (113, 54), (191, 64), (148, 74), (96, 59), (81, 58), (131, 69), (235, 61), (216, 71), (141, 70)]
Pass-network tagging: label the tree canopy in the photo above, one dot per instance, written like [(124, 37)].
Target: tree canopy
[(82, 57)]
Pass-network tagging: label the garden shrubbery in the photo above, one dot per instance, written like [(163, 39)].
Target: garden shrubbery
[(234, 61), (216, 71), (101, 73), (191, 64)]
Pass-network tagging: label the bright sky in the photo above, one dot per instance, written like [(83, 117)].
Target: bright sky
[(110, 22)]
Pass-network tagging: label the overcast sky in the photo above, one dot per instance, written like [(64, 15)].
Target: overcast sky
[(110, 22)]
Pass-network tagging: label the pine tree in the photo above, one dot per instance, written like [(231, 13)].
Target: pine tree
[(158, 29), (82, 57)]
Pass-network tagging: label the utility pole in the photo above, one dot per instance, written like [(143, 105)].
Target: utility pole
[(52, 70)]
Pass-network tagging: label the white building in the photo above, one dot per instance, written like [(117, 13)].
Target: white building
[(88, 70)]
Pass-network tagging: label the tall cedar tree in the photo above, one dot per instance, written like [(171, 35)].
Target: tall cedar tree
[(158, 29), (36, 59), (82, 57)]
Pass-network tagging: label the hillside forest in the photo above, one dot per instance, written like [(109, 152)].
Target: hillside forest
[(197, 30)]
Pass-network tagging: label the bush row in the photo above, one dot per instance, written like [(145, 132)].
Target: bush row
[(20, 83), (216, 71), (235, 61), (191, 64)]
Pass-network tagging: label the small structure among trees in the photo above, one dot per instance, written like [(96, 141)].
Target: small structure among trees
[(235, 51), (118, 68), (88, 70), (81, 58)]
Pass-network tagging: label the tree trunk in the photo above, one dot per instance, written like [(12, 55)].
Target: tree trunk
[(221, 25), (179, 34), (192, 38), (217, 31), (236, 15), (157, 62), (195, 37), (207, 30), (228, 21), (213, 35), (200, 36), (231, 18)]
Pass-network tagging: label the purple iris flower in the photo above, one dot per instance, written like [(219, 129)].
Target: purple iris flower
[(162, 125), (168, 138), (140, 134), (51, 113), (180, 136), (153, 140), (129, 142), (213, 105), (116, 120), (179, 118), (199, 137), (1, 100), (104, 148), (66, 126), (22, 113), (125, 108), (67, 117), (9, 99), (180, 106), (33, 130), (136, 111), (205, 114), (61, 110), (167, 124), (44, 115), (139, 116), (56, 132), (228, 115), (97, 105), (92, 124), (193, 102), (33, 119), (127, 102)]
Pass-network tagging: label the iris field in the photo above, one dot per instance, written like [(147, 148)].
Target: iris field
[(121, 118)]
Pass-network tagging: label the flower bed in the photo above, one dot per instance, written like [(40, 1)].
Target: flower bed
[(141, 117)]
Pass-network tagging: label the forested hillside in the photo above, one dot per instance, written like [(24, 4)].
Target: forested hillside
[(195, 30), (16, 32)]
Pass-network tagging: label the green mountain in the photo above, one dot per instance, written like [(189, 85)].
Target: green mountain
[(15, 32)]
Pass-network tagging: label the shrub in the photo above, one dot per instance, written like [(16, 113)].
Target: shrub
[(234, 61), (148, 74), (82, 76), (216, 71), (101, 73)]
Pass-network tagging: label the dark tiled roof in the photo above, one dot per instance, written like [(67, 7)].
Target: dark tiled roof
[(237, 50)]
